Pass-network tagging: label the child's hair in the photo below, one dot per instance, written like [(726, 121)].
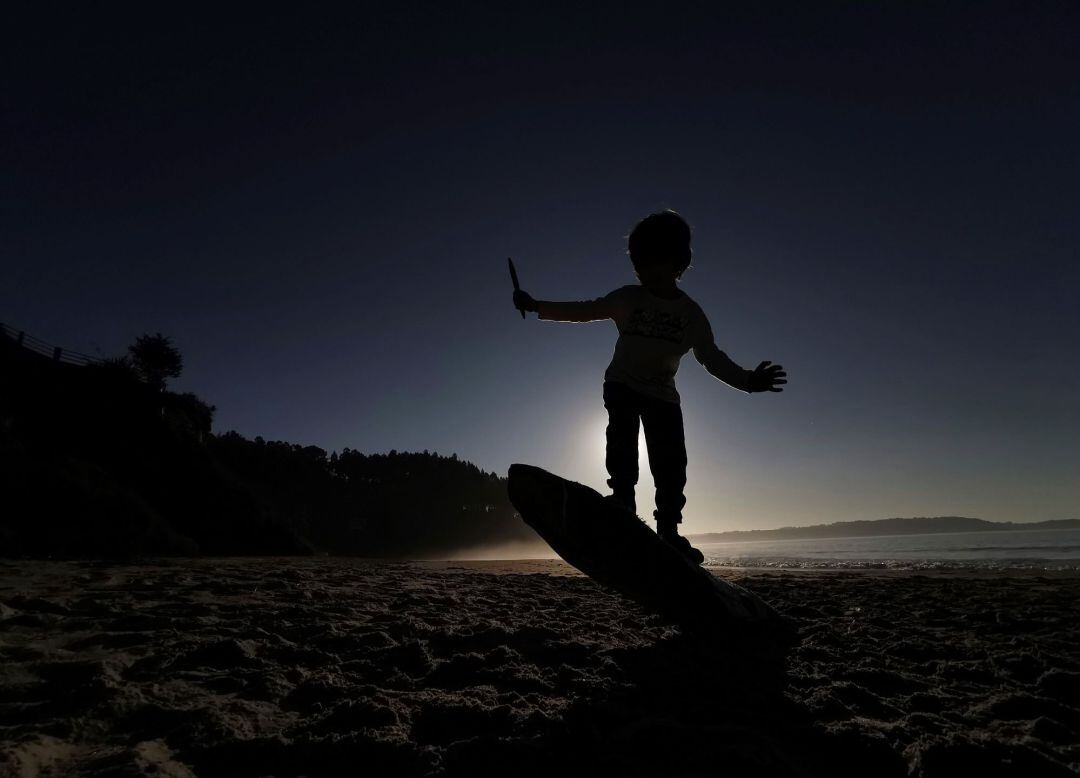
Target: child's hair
[(660, 236)]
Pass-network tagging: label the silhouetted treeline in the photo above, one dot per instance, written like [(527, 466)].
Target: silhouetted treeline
[(380, 504), (101, 461)]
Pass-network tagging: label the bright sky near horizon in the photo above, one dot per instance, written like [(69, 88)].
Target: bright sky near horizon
[(318, 209)]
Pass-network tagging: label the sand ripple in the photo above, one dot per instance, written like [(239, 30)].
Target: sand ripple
[(330, 667)]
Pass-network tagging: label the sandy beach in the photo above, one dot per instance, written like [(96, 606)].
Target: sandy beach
[(337, 667)]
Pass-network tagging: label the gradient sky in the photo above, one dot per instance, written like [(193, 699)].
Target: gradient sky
[(318, 208)]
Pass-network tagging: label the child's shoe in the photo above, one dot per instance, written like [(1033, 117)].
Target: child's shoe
[(627, 502), (670, 535)]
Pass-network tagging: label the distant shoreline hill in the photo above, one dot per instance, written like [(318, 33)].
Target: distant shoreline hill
[(922, 525)]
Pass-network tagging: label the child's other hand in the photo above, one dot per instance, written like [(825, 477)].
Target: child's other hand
[(523, 301), (767, 377)]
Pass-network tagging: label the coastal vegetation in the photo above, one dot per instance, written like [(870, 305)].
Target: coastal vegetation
[(102, 459)]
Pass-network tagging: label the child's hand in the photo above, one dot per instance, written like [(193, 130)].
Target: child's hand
[(523, 301), (766, 377)]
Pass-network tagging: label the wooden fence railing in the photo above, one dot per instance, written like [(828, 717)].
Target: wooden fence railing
[(56, 353)]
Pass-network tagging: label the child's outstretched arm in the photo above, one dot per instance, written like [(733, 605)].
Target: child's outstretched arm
[(577, 311), (766, 377)]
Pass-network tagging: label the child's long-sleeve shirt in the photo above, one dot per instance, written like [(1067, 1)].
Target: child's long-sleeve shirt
[(654, 334)]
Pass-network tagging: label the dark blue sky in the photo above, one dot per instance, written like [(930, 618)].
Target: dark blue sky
[(318, 209)]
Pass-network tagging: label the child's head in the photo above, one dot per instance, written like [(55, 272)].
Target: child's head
[(661, 238)]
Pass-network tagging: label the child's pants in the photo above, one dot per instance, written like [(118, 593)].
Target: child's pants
[(664, 439)]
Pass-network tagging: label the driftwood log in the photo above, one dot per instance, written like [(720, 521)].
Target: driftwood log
[(617, 549)]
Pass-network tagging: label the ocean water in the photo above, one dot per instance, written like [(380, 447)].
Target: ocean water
[(1019, 549)]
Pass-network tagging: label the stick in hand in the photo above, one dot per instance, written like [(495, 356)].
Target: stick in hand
[(514, 278)]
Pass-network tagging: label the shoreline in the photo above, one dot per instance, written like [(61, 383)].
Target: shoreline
[(559, 567), (556, 565)]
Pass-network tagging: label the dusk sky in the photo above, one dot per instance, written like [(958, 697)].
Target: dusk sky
[(318, 208)]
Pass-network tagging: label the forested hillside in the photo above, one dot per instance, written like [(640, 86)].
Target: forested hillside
[(102, 460)]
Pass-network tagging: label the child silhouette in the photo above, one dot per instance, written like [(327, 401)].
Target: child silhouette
[(658, 323)]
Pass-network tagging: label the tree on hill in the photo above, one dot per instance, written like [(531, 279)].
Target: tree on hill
[(156, 359)]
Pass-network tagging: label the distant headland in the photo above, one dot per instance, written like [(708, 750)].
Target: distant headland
[(921, 525)]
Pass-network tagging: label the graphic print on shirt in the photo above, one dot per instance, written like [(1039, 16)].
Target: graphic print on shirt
[(656, 324)]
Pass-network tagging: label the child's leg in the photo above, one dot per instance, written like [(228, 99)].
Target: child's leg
[(667, 459), (622, 438)]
